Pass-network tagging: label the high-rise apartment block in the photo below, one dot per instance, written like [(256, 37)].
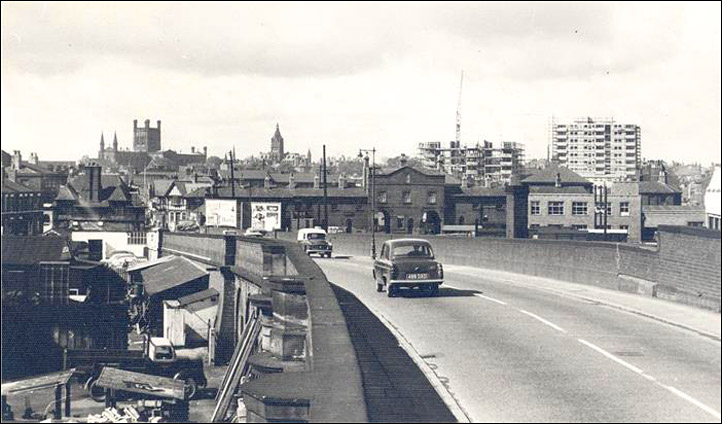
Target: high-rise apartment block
[(479, 163), (600, 150)]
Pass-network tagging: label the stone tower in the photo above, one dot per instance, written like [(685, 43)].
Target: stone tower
[(145, 138), (277, 151)]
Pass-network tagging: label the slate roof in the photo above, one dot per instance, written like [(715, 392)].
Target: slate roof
[(548, 175), (197, 297), (172, 273), (113, 189), (14, 187), (481, 191), (287, 193), (24, 250), (561, 190), (655, 187)]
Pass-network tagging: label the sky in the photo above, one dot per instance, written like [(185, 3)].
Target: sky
[(361, 75)]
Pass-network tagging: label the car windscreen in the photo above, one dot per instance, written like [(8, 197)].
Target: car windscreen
[(316, 236), (412, 251)]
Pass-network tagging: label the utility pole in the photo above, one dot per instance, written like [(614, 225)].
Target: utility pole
[(325, 192), (233, 179), (373, 196)]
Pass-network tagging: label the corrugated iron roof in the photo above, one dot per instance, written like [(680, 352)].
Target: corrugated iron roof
[(167, 275), (24, 250)]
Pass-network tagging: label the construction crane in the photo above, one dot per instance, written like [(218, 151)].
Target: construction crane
[(458, 113)]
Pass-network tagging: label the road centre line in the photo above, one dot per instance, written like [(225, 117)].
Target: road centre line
[(542, 320), (610, 356), (693, 401), (490, 298)]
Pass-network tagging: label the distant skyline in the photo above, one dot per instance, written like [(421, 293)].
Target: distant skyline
[(357, 75)]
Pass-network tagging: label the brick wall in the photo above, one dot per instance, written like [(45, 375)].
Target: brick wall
[(689, 266), (685, 268)]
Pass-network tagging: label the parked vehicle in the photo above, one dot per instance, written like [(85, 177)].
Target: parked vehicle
[(314, 240), (251, 232), (157, 358), (334, 230), (407, 263)]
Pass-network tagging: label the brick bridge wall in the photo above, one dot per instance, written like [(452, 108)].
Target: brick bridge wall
[(684, 268)]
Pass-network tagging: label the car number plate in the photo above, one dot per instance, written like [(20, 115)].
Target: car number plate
[(417, 276)]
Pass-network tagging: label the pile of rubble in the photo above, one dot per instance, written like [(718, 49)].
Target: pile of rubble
[(129, 415)]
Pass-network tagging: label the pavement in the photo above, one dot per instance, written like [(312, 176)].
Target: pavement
[(509, 347)]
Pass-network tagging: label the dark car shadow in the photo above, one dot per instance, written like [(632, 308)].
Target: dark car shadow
[(333, 257), (443, 292)]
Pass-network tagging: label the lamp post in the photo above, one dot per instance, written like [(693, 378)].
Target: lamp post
[(373, 195)]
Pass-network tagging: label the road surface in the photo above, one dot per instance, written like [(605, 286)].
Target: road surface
[(506, 349)]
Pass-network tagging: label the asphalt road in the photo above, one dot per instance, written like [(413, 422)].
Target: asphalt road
[(507, 350)]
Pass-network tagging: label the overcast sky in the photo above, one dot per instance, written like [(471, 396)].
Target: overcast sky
[(357, 75)]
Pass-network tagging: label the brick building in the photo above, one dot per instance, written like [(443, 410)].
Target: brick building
[(101, 210), (409, 200), (36, 177), (22, 209)]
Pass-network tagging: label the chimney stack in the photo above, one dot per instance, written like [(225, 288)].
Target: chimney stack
[(403, 160), (342, 181), (17, 160), (291, 181), (93, 173), (205, 152), (158, 125), (193, 149), (316, 182), (147, 123), (558, 180), (34, 158)]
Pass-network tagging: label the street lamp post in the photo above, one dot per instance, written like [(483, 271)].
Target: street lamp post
[(373, 196)]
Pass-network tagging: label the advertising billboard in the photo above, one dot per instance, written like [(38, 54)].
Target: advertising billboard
[(266, 216), (222, 213)]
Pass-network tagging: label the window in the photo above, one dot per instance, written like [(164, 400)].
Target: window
[(382, 198), (137, 237), (624, 227), (432, 197), (579, 208), (624, 208), (555, 208), (579, 227), (535, 208), (400, 222), (406, 197)]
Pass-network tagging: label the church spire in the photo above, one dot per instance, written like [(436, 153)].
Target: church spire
[(101, 152), (115, 141)]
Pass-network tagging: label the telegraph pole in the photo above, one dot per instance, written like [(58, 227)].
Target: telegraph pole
[(325, 192)]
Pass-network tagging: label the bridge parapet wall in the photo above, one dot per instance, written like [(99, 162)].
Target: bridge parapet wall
[(305, 365), (685, 267)]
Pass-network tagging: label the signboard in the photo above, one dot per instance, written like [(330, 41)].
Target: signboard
[(266, 216), (222, 213)]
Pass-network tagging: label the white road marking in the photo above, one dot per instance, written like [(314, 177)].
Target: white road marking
[(542, 320), (610, 356), (693, 401), (490, 298)]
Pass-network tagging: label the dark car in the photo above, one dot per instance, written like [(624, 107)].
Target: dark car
[(407, 263)]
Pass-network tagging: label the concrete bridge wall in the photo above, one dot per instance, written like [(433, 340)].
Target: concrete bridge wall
[(685, 267)]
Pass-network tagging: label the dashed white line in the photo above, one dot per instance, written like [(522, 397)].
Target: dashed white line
[(610, 356), (543, 321), (490, 298), (693, 401)]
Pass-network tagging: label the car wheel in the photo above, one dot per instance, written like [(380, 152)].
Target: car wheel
[(190, 387), (96, 392), (328, 254), (379, 287), (435, 290), (391, 290)]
